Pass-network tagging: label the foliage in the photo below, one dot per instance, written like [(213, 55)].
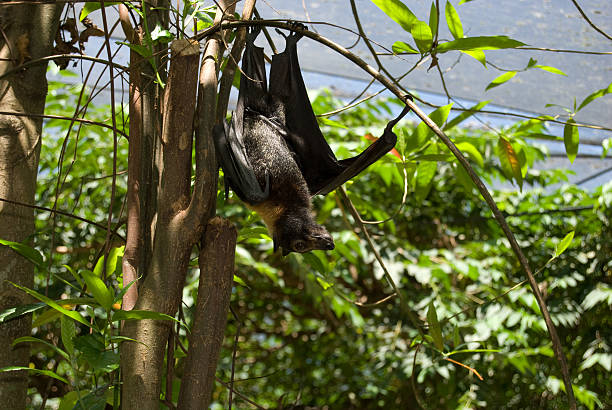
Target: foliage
[(308, 331), (324, 329)]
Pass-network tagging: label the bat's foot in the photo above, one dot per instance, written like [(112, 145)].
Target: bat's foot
[(252, 33), (295, 25), (295, 31)]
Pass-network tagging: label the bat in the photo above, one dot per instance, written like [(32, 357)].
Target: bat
[(273, 154)]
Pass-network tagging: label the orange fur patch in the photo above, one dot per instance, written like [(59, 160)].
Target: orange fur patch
[(269, 213)]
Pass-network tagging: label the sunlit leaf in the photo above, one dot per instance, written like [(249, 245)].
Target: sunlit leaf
[(400, 47), (571, 139), (471, 151), (550, 69), (479, 55), (398, 12), (421, 33), (47, 373), (18, 311), (594, 96), (509, 161), (423, 132), (332, 123), (465, 115), (98, 289), (425, 172), (501, 79), (565, 242), (433, 18), (26, 251), (453, 21), (91, 6), (479, 43), (51, 303)]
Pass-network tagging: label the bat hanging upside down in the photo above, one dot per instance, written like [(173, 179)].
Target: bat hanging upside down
[(274, 155)]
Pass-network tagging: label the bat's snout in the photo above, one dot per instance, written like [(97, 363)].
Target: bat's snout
[(325, 242)]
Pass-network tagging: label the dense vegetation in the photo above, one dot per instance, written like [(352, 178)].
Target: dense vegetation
[(320, 329)]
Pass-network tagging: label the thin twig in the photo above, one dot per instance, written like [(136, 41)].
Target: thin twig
[(403, 305), (58, 212), (584, 16)]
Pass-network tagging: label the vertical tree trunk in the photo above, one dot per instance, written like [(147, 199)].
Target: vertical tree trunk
[(173, 241), (210, 318), (28, 33)]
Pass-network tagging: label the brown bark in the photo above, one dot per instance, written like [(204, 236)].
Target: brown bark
[(212, 305), (162, 287), (134, 240), (28, 33)]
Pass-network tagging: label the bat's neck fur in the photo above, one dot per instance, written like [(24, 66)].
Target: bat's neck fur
[(269, 214)]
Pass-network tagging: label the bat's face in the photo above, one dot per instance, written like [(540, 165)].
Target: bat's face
[(300, 233)]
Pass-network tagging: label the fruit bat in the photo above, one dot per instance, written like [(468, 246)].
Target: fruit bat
[(274, 155)]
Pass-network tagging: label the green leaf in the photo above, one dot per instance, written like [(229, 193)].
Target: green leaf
[(26, 251), (422, 35), (433, 18), (606, 145), (478, 55), (51, 303), (453, 21), (323, 283), (479, 43), (501, 79), (594, 96), (509, 162), (239, 281), (144, 51), (37, 371), (399, 47), (18, 311), (465, 115), (434, 327), (75, 275), (95, 352), (332, 123), (550, 69), (398, 12), (91, 6), (161, 35), (111, 264), (571, 139), (563, 245), (140, 315), (424, 177), (422, 132), (471, 151), (98, 289), (315, 260), (31, 339), (68, 333)]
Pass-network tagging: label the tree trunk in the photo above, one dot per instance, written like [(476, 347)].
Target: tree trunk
[(161, 290), (28, 33)]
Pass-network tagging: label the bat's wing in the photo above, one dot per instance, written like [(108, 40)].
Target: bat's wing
[(229, 138), (322, 171)]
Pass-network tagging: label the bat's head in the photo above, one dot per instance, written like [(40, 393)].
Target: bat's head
[(298, 232)]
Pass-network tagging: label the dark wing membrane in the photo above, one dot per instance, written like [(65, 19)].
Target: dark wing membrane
[(229, 138), (314, 156), (352, 167), (322, 171)]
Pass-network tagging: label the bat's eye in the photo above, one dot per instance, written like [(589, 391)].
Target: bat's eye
[(299, 246)]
